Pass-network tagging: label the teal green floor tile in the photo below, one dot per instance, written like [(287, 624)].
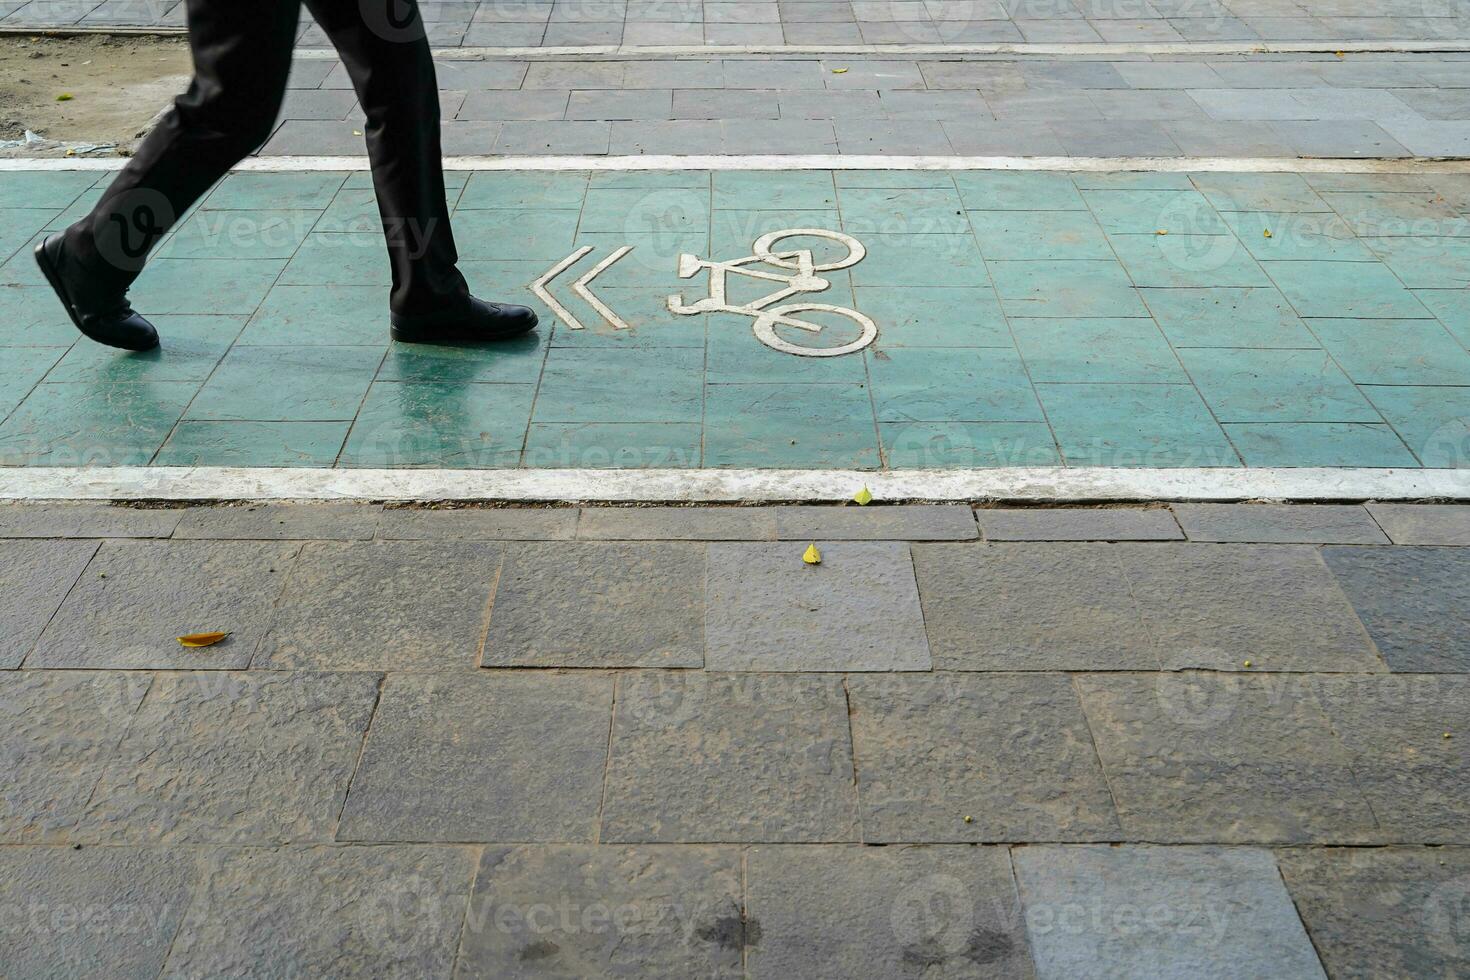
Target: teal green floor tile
[(189, 348), (1039, 235), (522, 191), (1298, 237), (518, 360), (454, 180), (507, 234), (644, 309), (736, 356), (21, 369), (1134, 425), (1228, 317), (288, 384), (19, 226), (253, 444), (1142, 180), (846, 179), (292, 191), (54, 189), (640, 211), (975, 384), (1275, 386), (353, 211), (661, 179), (950, 445), (920, 260), (239, 235), (509, 281), (32, 316), (204, 285), (1066, 289), (1344, 289), (939, 316), (92, 424), (1018, 191), (1102, 349), (608, 385), (339, 260), (1319, 444), (733, 234), (1452, 306), (1426, 263), (654, 260), (20, 269), (601, 445), (319, 316), (789, 426), (1143, 212), (1183, 261), (903, 211), (1433, 422), (1395, 352), (755, 190), (440, 425), (79, 209), (1258, 192)]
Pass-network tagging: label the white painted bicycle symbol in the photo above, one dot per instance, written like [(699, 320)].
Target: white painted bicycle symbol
[(805, 280)]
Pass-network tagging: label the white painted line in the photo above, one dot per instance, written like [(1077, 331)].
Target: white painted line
[(1038, 485), (580, 287), (284, 164), (542, 293)]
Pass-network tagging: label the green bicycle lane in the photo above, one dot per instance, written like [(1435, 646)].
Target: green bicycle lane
[(803, 319)]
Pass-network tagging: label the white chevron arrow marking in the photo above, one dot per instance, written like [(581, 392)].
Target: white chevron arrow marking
[(539, 287), (580, 288)]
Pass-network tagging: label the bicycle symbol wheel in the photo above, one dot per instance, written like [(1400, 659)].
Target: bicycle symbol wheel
[(765, 329), (766, 252)]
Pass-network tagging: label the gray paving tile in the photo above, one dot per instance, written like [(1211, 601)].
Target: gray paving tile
[(137, 597), (478, 523), (101, 912), (1279, 523), (523, 138), (1195, 911), (1077, 524), (382, 605), (86, 520), (1414, 602), (1223, 758), (1424, 523), (569, 75), (604, 104), (1214, 138), (909, 522), (767, 610), (599, 605), (233, 758), (834, 911), (724, 758), (965, 757), (281, 522), (305, 137), (1340, 138), (652, 911), (983, 138), (634, 138), (326, 911), (59, 732), (678, 524), (318, 103), (777, 136), (702, 103), (1382, 912), (439, 766), (35, 577), (498, 105), (827, 105), (925, 136)]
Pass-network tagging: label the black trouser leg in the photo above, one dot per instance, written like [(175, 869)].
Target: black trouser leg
[(386, 52), (242, 55)]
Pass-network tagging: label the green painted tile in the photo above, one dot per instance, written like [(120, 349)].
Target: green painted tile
[(239, 235), (518, 360), (1452, 306), (1298, 237), (53, 189), (1066, 289), (1275, 386), (440, 425), (1175, 261), (1426, 263), (20, 269), (612, 385), (292, 191), (1039, 235), (204, 285), (319, 316), (1228, 316), (92, 424), (1258, 192), (18, 226), (975, 384), (644, 211), (643, 308), (288, 384), (941, 316), (21, 369), (1103, 349), (82, 207), (654, 260), (32, 316), (950, 445), (667, 179), (453, 179), (736, 356), (506, 234), (524, 191), (189, 348), (1018, 191), (920, 260), (1351, 289), (601, 445), (754, 190), (903, 211), (1433, 422), (1395, 352), (353, 211), (339, 260), (1141, 180), (733, 233), (253, 444), (789, 426), (846, 179), (1181, 212), (1134, 425), (1319, 444)]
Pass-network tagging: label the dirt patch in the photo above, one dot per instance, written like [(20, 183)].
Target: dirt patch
[(117, 86)]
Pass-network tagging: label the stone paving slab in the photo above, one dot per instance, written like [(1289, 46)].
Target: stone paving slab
[(1420, 524), (1101, 524), (1414, 603), (1279, 524), (35, 577)]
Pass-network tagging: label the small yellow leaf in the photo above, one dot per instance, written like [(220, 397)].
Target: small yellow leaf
[(812, 556), (1340, 54), (1266, 233), (357, 132), (839, 71), (65, 97), (1247, 663), (863, 497), (1162, 231), (201, 639)]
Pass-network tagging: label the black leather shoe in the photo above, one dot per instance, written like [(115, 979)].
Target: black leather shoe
[(111, 322), (476, 322)]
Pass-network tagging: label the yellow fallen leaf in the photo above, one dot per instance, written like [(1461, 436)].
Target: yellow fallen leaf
[(863, 497), (65, 97), (839, 71), (357, 132), (1162, 231), (812, 556), (201, 639), (1266, 233), (1340, 54), (1247, 663)]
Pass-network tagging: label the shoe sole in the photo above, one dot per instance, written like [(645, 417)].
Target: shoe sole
[(53, 276), (447, 335)]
